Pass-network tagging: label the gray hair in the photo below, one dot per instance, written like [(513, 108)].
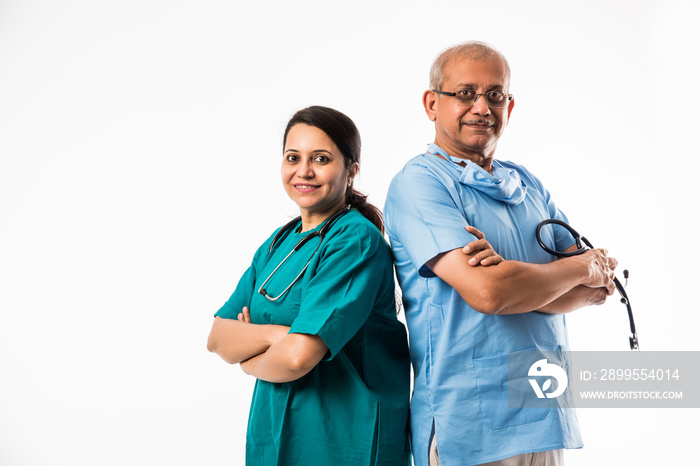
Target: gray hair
[(472, 50)]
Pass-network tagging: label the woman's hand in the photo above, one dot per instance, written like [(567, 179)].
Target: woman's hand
[(244, 315), (289, 359), (237, 340), (483, 253), (246, 365)]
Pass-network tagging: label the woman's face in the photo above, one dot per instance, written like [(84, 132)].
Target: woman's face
[(314, 173)]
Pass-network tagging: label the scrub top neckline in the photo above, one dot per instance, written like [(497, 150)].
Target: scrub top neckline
[(502, 184), (297, 233), (459, 163)]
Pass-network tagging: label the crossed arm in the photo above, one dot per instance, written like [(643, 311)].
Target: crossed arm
[(513, 287), (266, 351), (271, 353)]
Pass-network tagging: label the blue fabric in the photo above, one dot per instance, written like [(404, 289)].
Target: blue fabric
[(460, 356), (502, 185)]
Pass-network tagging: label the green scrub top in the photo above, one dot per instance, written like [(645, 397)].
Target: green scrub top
[(352, 408)]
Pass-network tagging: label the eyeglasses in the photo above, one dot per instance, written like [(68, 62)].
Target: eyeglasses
[(495, 99)]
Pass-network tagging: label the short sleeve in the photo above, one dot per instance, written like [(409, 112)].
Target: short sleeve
[(245, 288), (240, 297), (353, 271), (562, 238), (423, 218)]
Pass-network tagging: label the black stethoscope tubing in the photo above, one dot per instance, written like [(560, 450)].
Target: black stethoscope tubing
[(321, 233), (634, 341)]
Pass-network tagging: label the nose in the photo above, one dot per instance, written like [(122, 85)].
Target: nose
[(305, 169), (480, 106)]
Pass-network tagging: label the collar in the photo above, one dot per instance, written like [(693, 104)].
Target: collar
[(503, 184)]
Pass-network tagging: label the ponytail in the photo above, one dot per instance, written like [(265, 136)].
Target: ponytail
[(345, 135), (358, 201)]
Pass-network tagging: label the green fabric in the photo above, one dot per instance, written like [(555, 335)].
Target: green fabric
[(352, 409)]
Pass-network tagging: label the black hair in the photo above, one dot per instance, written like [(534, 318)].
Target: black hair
[(345, 135)]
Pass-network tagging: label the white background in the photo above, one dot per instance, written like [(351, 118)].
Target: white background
[(139, 151)]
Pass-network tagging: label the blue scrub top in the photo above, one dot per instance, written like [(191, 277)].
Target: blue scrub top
[(460, 356)]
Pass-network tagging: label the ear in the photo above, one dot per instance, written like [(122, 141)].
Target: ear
[(353, 170), (430, 104), (511, 104)]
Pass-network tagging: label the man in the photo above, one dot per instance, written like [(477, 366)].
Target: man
[(464, 320)]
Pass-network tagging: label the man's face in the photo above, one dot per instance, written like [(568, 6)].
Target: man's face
[(469, 131)]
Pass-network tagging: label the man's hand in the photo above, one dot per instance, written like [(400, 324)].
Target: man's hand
[(601, 269), (480, 249), (515, 287), (576, 298)]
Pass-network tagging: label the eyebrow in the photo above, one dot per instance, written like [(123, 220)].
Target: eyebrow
[(474, 86), (316, 151)]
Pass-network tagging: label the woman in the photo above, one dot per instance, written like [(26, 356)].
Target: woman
[(315, 322)]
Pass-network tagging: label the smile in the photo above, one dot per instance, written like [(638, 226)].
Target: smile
[(484, 123), (306, 187)]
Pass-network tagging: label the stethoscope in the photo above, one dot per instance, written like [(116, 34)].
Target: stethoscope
[(634, 342), (321, 233)]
